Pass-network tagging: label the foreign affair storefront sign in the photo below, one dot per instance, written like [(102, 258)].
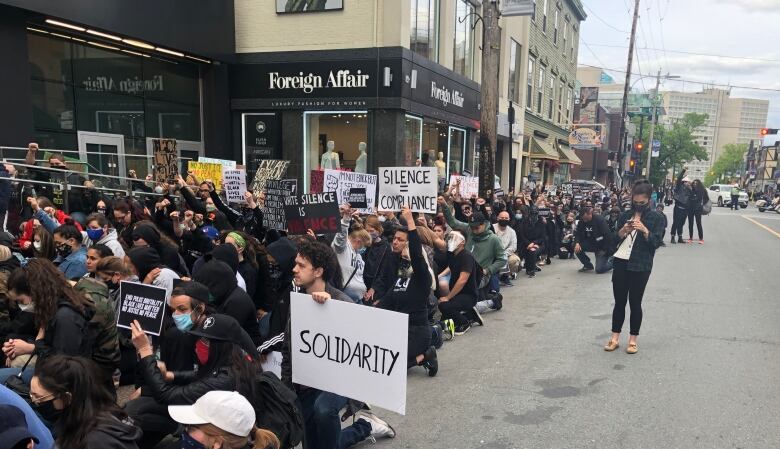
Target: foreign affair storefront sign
[(441, 93)]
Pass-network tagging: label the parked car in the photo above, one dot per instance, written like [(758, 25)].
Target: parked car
[(720, 194)]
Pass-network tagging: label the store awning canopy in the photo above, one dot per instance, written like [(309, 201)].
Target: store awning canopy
[(542, 150), (568, 156)]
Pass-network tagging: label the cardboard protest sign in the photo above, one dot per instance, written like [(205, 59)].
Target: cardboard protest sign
[(316, 181), (316, 211), (165, 167), (357, 198), (141, 302), (278, 192), (414, 187), (234, 182), (468, 187), (226, 163), (341, 181), (206, 170), (268, 169), (354, 351)]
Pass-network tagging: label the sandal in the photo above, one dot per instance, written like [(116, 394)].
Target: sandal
[(632, 348), (611, 346)]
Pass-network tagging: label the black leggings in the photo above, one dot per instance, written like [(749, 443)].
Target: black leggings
[(530, 259), (419, 342), (627, 286), (691, 215), (678, 220), (453, 308)]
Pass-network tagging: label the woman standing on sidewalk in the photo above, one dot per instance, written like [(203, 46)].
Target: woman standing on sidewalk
[(640, 233), (696, 201)]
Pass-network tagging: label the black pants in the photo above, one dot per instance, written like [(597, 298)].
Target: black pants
[(453, 308), (419, 342), (627, 286), (531, 257), (734, 202), (152, 418), (697, 215), (678, 220)]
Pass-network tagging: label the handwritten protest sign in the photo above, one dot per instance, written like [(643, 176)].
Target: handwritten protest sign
[(165, 167), (354, 351), (316, 211), (226, 163), (206, 170), (277, 193), (469, 185), (341, 181), (414, 187), (268, 169), (234, 182), (141, 302)]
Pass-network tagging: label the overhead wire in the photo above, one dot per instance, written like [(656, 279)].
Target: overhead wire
[(593, 13), (661, 28), (750, 58)]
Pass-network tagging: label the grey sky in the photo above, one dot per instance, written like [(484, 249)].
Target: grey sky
[(742, 28)]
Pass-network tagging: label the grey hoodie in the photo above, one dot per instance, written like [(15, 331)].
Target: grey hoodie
[(110, 240)]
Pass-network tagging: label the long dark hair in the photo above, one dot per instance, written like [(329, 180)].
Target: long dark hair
[(226, 354), (75, 381), (46, 285), (47, 244), (698, 187)]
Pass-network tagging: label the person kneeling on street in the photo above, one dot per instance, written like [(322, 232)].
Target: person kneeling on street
[(459, 304), (593, 235)]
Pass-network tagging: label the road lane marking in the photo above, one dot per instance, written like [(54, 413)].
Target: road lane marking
[(777, 234)]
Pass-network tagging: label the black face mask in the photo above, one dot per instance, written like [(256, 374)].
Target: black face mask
[(48, 412), (275, 275), (503, 222), (639, 207), (112, 286), (64, 250)]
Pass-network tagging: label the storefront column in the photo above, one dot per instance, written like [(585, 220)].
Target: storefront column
[(16, 115), (292, 138), (386, 146)]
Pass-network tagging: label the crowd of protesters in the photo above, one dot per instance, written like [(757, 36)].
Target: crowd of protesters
[(228, 282)]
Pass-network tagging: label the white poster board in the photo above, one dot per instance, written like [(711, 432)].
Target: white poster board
[(212, 160), (352, 350), (340, 181), (234, 184), (415, 187), (469, 185)]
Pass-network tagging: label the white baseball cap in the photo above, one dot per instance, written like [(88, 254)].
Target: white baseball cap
[(227, 410)]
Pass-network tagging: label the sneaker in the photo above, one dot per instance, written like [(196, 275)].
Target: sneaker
[(673, 240), (498, 301), (448, 330), (531, 274), (540, 263), (701, 241), (690, 240), (431, 362), (475, 318), (585, 269), (437, 336), (513, 276), (548, 261), (462, 329), (379, 427), (538, 269)]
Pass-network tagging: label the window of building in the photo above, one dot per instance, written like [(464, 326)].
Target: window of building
[(533, 13), (569, 105), (560, 103), (464, 39), (555, 30), (515, 63), (565, 36), (571, 44), (529, 89), (346, 129), (425, 28), (551, 97), (540, 90), (544, 15), (413, 138)]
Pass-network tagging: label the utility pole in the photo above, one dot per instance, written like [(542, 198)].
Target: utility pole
[(652, 126), (626, 86), (489, 89)]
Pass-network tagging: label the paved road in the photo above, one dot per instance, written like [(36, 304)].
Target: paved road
[(707, 374)]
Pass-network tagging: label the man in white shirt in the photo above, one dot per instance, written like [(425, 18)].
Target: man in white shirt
[(508, 239)]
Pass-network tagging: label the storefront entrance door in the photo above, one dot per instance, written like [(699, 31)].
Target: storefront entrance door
[(456, 154), (104, 153)]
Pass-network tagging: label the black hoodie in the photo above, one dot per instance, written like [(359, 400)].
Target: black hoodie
[(168, 254), (111, 433), (67, 333), (278, 300), (229, 299)]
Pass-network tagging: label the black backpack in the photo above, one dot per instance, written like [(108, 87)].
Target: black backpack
[(277, 410)]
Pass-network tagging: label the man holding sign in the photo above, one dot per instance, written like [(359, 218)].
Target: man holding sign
[(314, 270)]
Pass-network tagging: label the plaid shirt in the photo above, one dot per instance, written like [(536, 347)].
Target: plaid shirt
[(644, 248)]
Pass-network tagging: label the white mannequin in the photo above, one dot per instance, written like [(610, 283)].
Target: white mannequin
[(362, 160), (330, 159), (441, 166)]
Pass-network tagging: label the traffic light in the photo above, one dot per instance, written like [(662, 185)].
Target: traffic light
[(768, 131), (639, 146), (632, 165)]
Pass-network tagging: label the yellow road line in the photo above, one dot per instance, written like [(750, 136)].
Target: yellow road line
[(777, 234)]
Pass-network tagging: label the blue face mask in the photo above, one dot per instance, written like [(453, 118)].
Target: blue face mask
[(183, 322), (95, 234), (187, 442), (518, 216)]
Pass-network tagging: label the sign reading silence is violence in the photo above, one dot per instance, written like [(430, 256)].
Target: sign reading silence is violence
[(316, 211)]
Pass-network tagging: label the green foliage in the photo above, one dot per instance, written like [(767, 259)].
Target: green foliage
[(729, 161)]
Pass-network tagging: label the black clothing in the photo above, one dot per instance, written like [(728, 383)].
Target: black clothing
[(644, 248), (215, 218), (388, 273), (249, 273), (410, 295), (464, 262), (67, 333), (627, 286), (531, 233), (57, 195), (374, 259), (169, 255), (111, 433), (247, 220), (145, 259), (186, 387), (453, 309), (594, 235), (678, 220), (694, 214)]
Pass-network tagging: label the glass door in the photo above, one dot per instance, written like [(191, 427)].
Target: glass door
[(103, 153), (456, 155)]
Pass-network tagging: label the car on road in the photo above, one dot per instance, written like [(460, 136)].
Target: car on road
[(720, 194)]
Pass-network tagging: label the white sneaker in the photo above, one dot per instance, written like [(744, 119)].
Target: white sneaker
[(379, 428)]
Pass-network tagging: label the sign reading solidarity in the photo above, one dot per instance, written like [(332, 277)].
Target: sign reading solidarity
[(269, 169), (141, 302), (277, 194), (351, 350), (342, 181), (414, 187), (207, 170), (316, 211), (165, 167), (234, 181)]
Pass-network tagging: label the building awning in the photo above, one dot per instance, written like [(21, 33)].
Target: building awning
[(568, 156), (542, 150)]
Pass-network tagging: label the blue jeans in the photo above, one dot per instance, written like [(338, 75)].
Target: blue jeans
[(603, 262), (323, 423)]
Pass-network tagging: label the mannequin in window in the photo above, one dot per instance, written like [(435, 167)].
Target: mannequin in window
[(330, 159), (362, 160), (441, 166)]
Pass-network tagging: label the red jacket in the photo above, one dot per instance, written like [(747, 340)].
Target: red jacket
[(27, 233)]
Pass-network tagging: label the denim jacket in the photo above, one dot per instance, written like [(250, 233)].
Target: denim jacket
[(75, 265)]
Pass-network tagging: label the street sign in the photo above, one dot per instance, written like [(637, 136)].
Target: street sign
[(656, 148), (511, 8)]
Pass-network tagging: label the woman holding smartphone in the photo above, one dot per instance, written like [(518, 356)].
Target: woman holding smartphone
[(640, 232)]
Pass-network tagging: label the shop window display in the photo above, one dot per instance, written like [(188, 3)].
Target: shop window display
[(335, 140)]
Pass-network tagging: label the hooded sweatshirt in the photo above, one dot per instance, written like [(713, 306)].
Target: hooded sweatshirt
[(485, 247), (110, 239), (168, 254), (146, 259), (227, 254), (111, 433), (229, 299), (67, 333), (278, 290), (351, 263)]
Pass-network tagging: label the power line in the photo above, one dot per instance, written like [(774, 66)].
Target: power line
[(693, 53), (661, 27), (591, 51), (602, 20)]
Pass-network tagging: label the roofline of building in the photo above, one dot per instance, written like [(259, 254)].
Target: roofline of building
[(576, 6)]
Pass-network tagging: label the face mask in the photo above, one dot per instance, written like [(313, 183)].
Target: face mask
[(211, 207), (64, 250), (158, 189), (111, 285), (362, 251), (94, 234), (37, 246), (374, 235), (187, 442), (454, 241), (382, 218), (503, 223), (47, 411), (101, 210), (183, 321), (27, 307), (639, 207), (518, 216), (202, 352)]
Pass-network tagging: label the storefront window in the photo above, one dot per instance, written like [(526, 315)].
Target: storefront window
[(413, 136), (425, 28), (456, 150), (331, 140), (434, 142), (52, 105), (464, 39)]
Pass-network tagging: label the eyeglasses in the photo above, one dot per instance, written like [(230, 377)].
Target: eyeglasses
[(42, 399)]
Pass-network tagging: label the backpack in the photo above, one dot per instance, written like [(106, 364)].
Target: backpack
[(277, 410)]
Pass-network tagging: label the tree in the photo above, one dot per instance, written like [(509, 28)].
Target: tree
[(729, 161), (678, 146)]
